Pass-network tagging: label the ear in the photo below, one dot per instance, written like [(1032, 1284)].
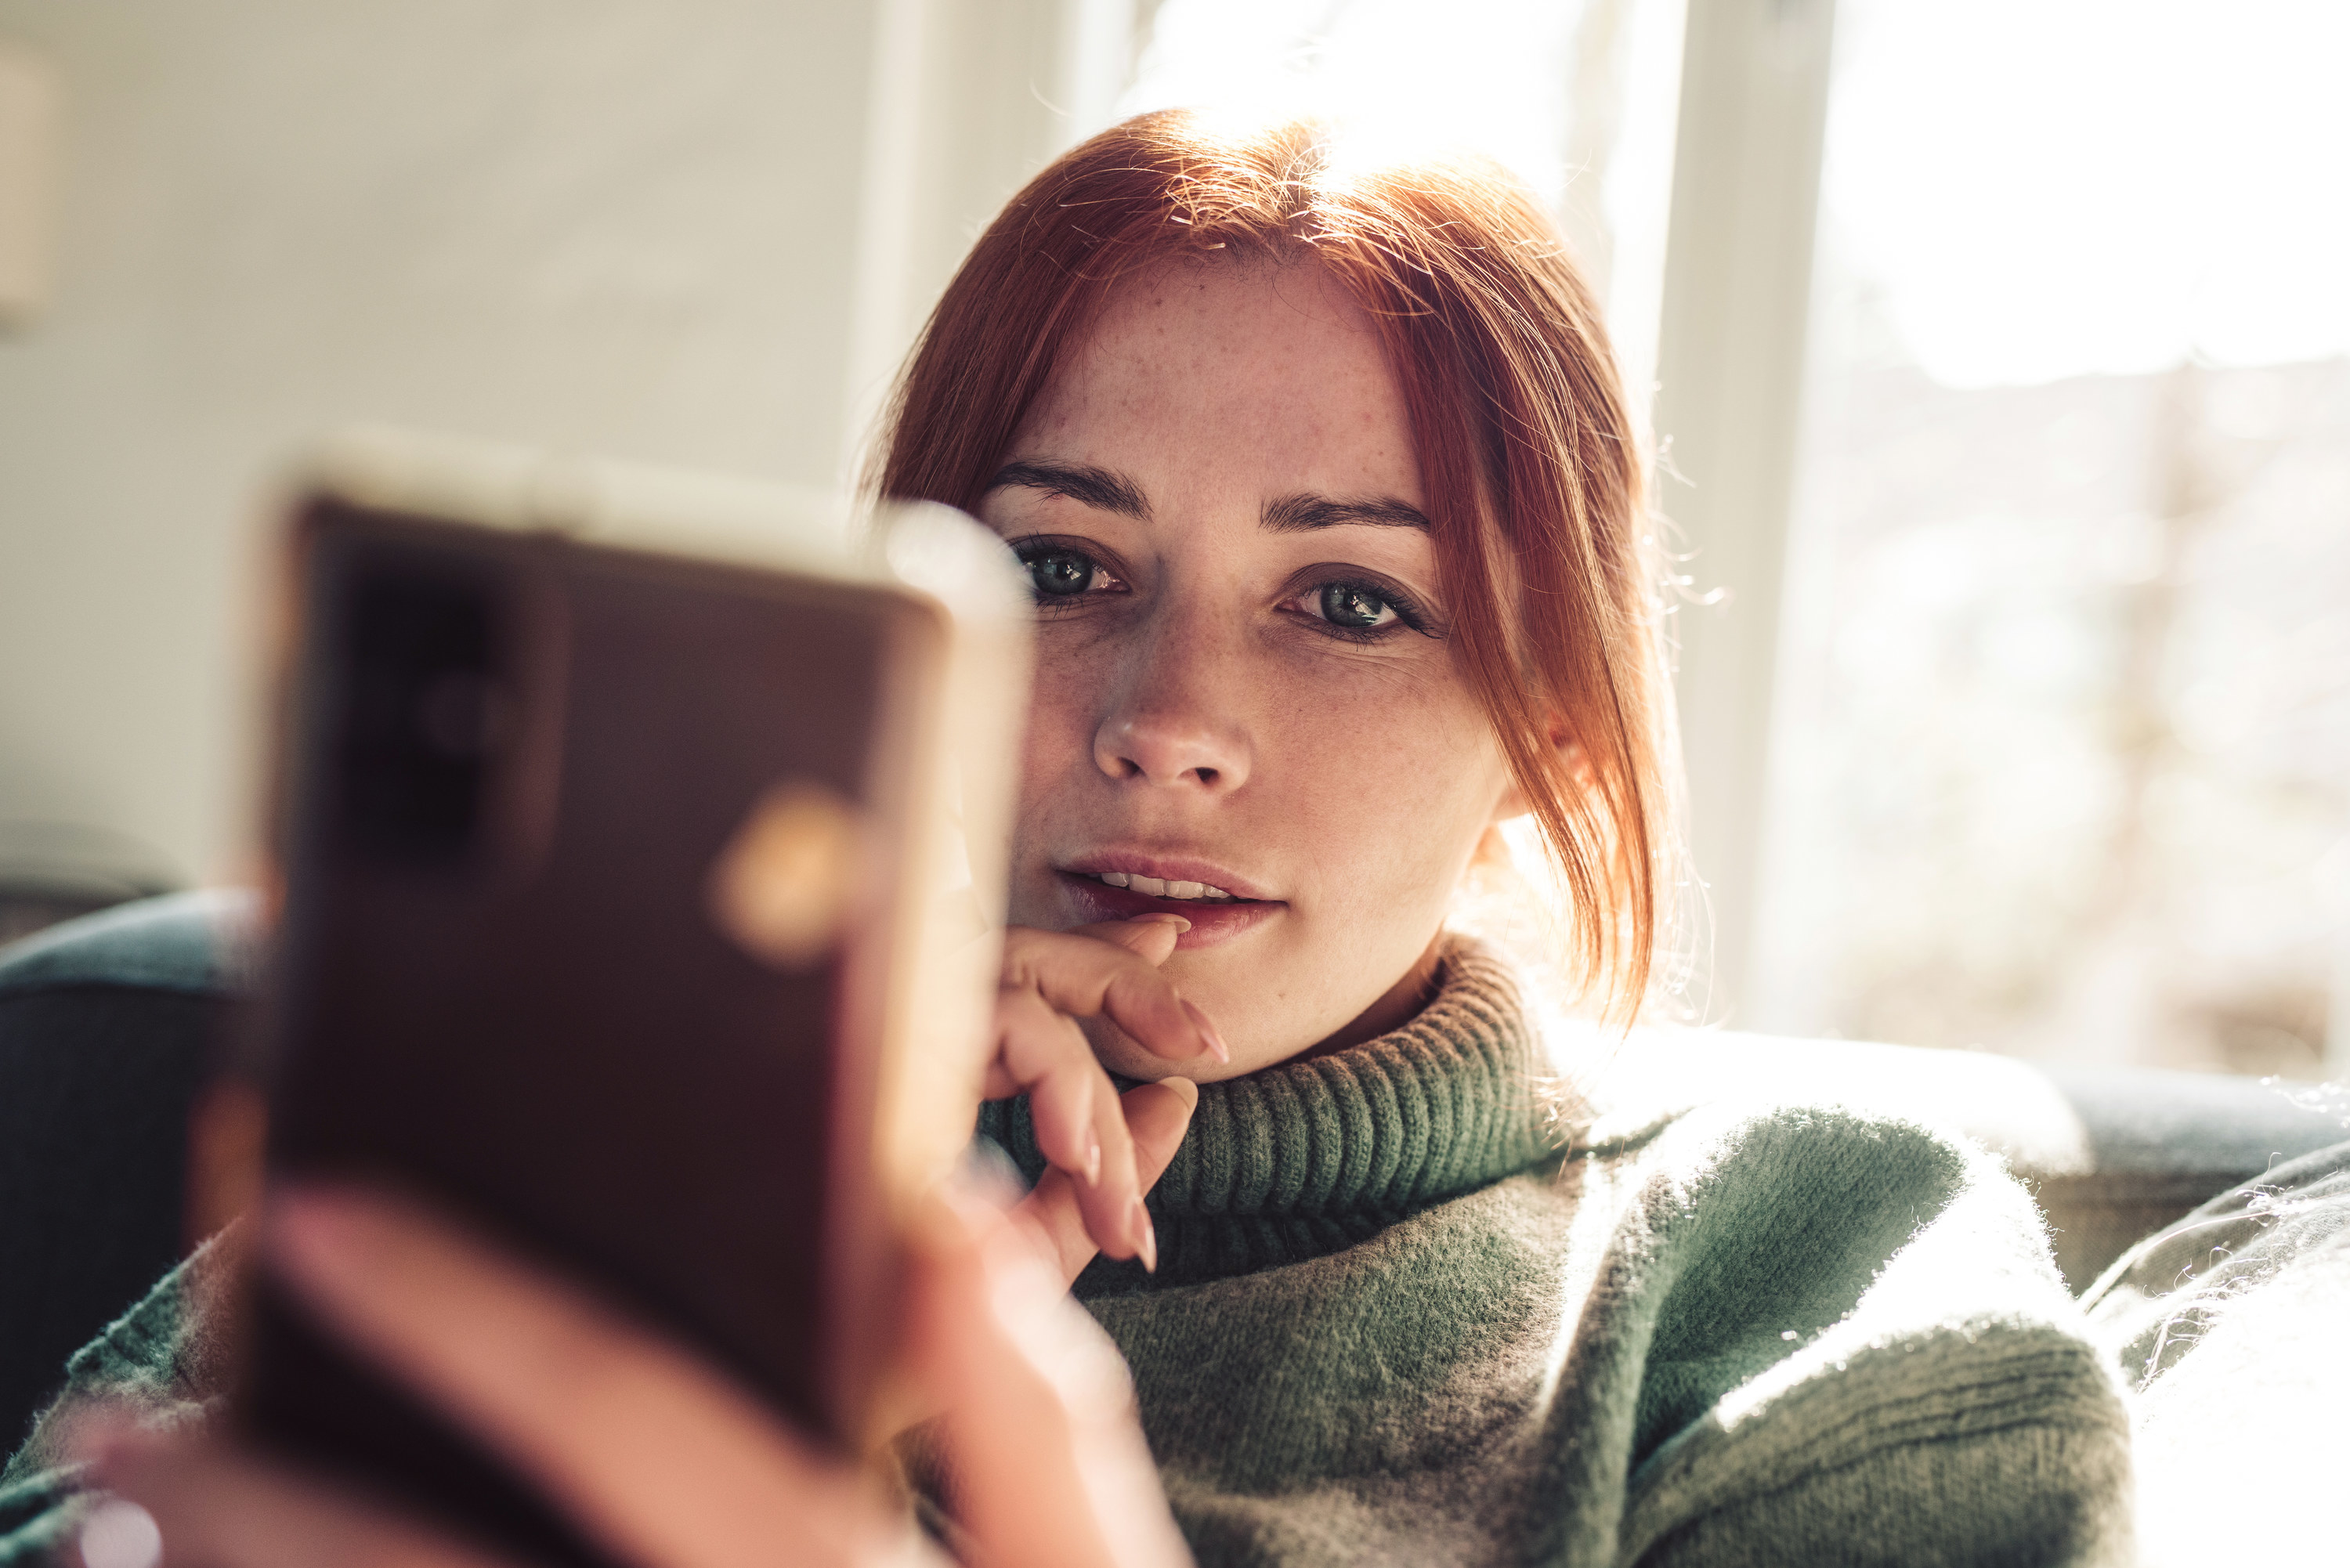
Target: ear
[(1513, 803)]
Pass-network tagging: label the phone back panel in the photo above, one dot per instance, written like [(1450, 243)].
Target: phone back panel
[(526, 782)]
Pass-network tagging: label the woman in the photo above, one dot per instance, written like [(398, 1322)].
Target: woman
[(1333, 513)]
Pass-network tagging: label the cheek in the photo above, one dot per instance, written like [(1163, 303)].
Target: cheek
[(1068, 690), (1058, 741), (1397, 774)]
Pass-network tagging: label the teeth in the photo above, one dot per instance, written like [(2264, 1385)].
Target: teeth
[(1158, 889)]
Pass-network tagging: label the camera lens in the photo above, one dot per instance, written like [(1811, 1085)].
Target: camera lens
[(424, 716)]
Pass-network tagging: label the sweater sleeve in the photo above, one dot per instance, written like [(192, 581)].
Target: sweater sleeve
[(163, 1362), (1856, 1350)]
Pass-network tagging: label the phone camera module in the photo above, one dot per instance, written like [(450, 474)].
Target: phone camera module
[(424, 712)]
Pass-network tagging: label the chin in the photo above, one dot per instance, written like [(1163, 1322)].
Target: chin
[(1242, 1025), (1128, 1060)]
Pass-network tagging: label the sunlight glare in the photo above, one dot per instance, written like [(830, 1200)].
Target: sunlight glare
[(2049, 188), (1403, 78)]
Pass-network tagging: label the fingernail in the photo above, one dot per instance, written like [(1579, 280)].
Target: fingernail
[(1185, 1090), (1093, 1158), (1206, 1032), (1146, 1238), (1178, 921)]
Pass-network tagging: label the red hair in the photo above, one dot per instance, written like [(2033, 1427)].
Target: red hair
[(1528, 455)]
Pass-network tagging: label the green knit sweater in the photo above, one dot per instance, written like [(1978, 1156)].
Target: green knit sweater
[(1399, 1317), (1393, 1321)]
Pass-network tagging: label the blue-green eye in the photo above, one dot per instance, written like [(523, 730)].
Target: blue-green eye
[(1353, 607), (1059, 574)]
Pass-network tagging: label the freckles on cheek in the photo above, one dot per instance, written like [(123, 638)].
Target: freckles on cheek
[(1059, 734), (1397, 769), (1397, 706), (1389, 742)]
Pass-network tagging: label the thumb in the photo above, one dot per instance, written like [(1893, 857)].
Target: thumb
[(1038, 1424)]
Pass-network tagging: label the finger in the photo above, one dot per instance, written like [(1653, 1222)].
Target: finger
[(1045, 1056), (1115, 1205), (214, 1505), (1090, 977), (1157, 1116), (1073, 1109), (1148, 937), (654, 1454), (1050, 1468)]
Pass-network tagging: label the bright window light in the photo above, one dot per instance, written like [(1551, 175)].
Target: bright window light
[(1576, 96), (2051, 188), (2060, 754), (1491, 74)]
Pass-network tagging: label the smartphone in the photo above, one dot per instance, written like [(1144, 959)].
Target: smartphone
[(640, 839)]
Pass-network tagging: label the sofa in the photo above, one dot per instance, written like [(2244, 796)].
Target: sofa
[(111, 1025)]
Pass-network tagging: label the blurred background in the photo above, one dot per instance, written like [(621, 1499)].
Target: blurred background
[(1999, 354)]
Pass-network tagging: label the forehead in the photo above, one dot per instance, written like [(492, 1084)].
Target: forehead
[(1269, 374)]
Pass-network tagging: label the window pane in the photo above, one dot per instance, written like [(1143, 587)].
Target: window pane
[(2062, 759), (1576, 96)]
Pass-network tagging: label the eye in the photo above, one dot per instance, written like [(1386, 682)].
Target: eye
[(1365, 609), (1056, 572), (1351, 605)]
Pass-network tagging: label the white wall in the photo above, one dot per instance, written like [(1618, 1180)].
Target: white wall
[(971, 99), (691, 231)]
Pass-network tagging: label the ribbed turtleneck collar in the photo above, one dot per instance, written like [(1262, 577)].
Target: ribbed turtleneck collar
[(1307, 1156)]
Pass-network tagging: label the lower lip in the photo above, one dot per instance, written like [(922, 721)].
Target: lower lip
[(1211, 922)]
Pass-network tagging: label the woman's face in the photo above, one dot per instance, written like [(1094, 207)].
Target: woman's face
[(1247, 709)]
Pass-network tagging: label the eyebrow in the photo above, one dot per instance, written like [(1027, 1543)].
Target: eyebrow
[(1294, 514), (1107, 490), (1103, 489)]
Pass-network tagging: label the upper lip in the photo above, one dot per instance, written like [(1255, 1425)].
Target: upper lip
[(1166, 868)]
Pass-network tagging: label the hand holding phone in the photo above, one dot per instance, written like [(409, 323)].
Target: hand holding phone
[(618, 842), (642, 848), (663, 1461)]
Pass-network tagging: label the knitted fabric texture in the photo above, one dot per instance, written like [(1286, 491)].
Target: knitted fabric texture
[(1394, 1323), (165, 1363)]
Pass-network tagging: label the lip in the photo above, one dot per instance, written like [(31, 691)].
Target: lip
[(1096, 902)]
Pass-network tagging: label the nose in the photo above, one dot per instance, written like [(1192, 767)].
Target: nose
[(1173, 718)]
